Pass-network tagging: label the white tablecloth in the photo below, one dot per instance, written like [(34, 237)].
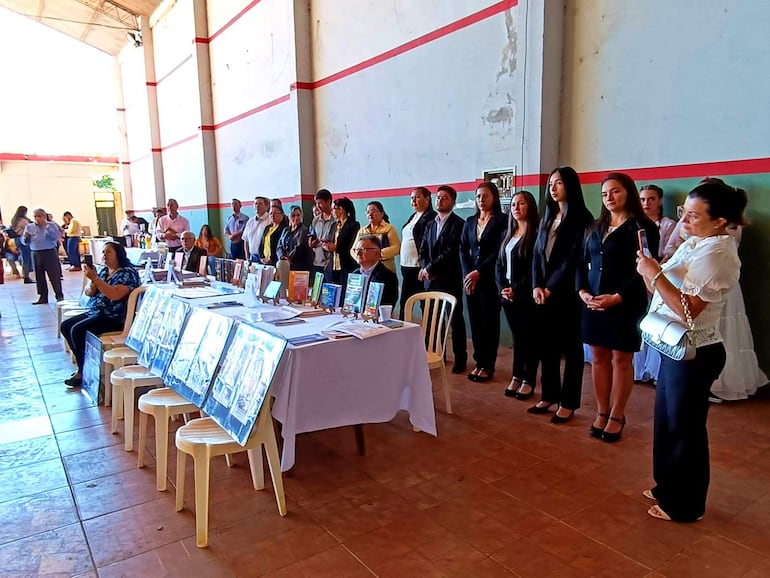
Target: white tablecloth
[(347, 381)]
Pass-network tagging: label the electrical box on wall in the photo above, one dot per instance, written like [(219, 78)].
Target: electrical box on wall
[(505, 180)]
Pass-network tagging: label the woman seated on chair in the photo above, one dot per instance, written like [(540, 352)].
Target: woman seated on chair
[(108, 289)]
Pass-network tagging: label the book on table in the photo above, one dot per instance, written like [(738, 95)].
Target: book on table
[(373, 298), (315, 295), (354, 293), (298, 286), (330, 295)]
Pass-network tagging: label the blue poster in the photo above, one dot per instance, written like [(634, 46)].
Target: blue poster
[(197, 354), (244, 378), (92, 368), (153, 300)]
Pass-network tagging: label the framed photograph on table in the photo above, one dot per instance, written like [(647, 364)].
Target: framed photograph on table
[(153, 300), (243, 381), (197, 354), (162, 337)]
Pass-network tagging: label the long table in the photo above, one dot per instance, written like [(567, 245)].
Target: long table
[(343, 382)]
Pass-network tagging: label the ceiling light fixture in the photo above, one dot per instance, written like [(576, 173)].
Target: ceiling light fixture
[(135, 38)]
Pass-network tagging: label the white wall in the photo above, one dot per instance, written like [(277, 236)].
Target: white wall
[(442, 112), (659, 83), (54, 186)]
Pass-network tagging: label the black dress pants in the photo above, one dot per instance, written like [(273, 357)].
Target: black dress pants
[(520, 315), (680, 454), (409, 286), (47, 263), (558, 325), (74, 331), (484, 316)]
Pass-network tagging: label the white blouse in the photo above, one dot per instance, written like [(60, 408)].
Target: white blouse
[(706, 267), (409, 250)]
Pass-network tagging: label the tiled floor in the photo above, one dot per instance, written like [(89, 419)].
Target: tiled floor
[(498, 493)]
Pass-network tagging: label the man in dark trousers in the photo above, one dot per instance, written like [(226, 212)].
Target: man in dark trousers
[(440, 266)]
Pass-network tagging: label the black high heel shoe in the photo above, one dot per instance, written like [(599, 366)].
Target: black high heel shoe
[(556, 418), (613, 437), (596, 432), (536, 409), (524, 396)]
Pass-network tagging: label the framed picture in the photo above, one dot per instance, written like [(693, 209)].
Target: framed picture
[(243, 380), (197, 354)]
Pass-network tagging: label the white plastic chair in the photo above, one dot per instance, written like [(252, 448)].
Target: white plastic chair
[(437, 311), (115, 339), (163, 404), (125, 381), (203, 439), (71, 307)]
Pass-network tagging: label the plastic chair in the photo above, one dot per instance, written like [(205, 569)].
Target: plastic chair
[(438, 308), (114, 339), (162, 404), (125, 381), (71, 305), (116, 358), (203, 439)]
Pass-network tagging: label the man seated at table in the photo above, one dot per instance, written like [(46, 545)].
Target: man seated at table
[(368, 254), (191, 254)]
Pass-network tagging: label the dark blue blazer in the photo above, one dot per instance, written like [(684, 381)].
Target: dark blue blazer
[(440, 256), (481, 254)]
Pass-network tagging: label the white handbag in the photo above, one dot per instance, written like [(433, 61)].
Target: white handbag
[(670, 336)]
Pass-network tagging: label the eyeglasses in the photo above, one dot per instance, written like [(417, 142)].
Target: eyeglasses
[(364, 249)]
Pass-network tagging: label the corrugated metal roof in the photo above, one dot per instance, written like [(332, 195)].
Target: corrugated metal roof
[(102, 24)]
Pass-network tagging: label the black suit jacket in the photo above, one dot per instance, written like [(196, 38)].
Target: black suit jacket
[(481, 255), (421, 226), (276, 236), (440, 256), (609, 266), (557, 274), (193, 263), (521, 273), (381, 274), (345, 241)]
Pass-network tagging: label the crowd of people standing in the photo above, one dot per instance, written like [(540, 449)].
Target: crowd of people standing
[(561, 277)]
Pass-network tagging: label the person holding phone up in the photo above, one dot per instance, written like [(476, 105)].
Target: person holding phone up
[(614, 299), (108, 289)]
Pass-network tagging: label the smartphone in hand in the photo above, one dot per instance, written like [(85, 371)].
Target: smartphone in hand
[(644, 246), (88, 260)]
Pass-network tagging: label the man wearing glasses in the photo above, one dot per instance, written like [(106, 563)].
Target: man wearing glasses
[(368, 254)]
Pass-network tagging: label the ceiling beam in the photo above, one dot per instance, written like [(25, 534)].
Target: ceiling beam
[(113, 11)]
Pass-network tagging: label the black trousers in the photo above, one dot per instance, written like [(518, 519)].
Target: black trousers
[(409, 286), (680, 454), (484, 316), (557, 323), (236, 250), (47, 263), (74, 331), (520, 315)]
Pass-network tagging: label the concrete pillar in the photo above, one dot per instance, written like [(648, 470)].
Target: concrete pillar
[(208, 137), (540, 33), (120, 114), (152, 108), (302, 102)]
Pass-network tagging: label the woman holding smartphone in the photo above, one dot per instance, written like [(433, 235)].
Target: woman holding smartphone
[(108, 289), (614, 298)]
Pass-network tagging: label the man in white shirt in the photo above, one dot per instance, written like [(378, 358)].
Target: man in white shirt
[(171, 227), (255, 228)]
